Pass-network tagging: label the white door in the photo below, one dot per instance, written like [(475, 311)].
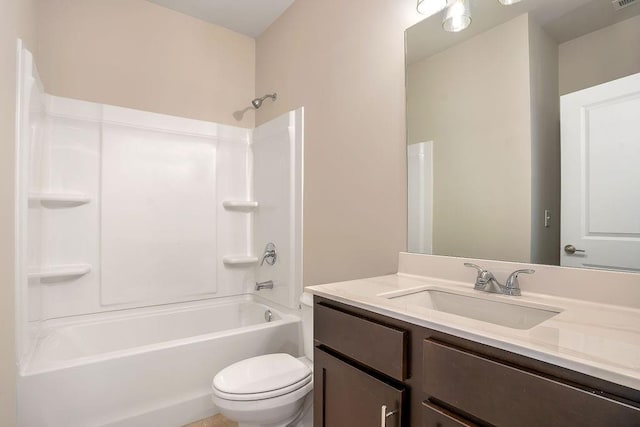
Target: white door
[(601, 176)]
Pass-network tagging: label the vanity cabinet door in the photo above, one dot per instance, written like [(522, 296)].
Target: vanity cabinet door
[(346, 396)]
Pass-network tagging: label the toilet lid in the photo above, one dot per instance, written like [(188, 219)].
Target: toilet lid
[(262, 374)]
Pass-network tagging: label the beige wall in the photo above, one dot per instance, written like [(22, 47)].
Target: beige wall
[(545, 146), (344, 62), (17, 19), (473, 101), (136, 54), (601, 56)]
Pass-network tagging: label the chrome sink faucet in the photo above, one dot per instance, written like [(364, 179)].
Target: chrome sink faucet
[(487, 282)]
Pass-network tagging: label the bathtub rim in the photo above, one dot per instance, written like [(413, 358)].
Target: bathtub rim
[(33, 366)]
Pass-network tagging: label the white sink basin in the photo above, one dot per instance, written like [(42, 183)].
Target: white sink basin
[(512, 315)]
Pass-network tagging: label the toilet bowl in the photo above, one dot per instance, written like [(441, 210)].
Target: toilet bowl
[(272, 390), (267, 390)]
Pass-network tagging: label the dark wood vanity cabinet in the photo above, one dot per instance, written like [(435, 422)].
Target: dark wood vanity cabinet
[(364, 360), (359, 366)]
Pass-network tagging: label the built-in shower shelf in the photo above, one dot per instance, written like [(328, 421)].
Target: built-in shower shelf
[(59, 200), (239, 260), (240, 205), (69, 271)]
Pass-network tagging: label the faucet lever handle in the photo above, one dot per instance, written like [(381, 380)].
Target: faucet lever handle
[(477, 267), (512, 286), (484, 276)]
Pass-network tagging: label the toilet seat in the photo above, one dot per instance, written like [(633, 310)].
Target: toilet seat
[(261, 377), (261, 396)]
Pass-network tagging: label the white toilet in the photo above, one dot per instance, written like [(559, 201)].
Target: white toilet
[(273, 390)]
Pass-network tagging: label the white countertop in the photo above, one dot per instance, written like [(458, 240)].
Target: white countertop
[(595, 339)]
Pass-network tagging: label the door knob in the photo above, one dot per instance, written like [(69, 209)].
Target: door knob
[(570, 249)]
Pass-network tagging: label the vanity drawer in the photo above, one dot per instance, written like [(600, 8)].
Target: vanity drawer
[(504, 395), (435, 416), (373, 344)]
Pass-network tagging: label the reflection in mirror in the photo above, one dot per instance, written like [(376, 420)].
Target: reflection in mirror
[(524, 134)]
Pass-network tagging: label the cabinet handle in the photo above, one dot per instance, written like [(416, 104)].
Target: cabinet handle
[(384, 414)]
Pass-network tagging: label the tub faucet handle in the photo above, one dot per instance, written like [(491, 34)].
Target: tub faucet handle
[(270, 254)]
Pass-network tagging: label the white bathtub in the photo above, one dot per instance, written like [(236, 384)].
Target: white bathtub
[(145, 367)]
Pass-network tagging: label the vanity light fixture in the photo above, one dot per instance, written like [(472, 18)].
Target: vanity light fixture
[(457, 17), (431, 7)]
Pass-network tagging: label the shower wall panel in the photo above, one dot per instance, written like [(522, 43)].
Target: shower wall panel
[(278, 159), (158, 214), (29, 135), (69, 233)]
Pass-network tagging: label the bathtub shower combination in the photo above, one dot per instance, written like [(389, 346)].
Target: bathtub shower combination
[(138, 245)]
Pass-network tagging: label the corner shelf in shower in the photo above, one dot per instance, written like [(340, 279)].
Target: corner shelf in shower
[(63, 271), (240, 205), (239, 260), (59, 200)]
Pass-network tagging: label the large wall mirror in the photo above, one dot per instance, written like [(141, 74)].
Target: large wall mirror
[(523, 134)]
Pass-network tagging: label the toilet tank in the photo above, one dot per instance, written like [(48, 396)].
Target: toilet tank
[(306, 312)]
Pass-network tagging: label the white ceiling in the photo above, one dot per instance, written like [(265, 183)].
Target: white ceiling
[(250, 17)]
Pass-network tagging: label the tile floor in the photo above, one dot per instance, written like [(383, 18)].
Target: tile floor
[(215, 421)]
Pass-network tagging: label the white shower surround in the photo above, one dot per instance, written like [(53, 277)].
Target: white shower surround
[(62, 300), (78, 135)]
